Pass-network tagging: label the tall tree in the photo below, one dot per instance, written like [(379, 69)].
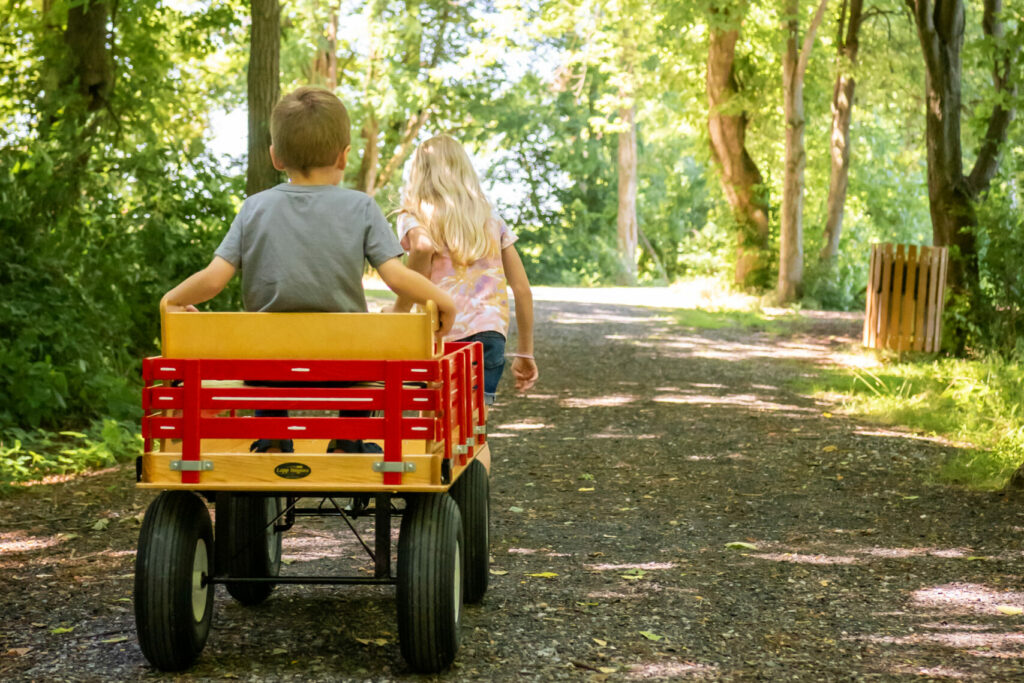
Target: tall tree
[(325, 62), (86, 37), (409, 43), (264, 84), (794, 67), (951, 193), (740, 178), (626, 221), (847, 47)]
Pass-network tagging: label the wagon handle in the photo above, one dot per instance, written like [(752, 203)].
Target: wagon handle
[(434, 322)]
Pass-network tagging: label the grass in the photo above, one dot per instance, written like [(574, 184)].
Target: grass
[(753, 319), (974, 401), (30, 455)]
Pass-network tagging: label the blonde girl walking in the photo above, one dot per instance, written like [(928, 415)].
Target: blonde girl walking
[(453, 236)]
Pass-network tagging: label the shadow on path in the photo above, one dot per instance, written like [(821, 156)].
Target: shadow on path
[(664, 507)]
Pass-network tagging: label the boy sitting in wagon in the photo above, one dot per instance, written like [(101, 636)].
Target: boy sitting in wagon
[(301, 245)]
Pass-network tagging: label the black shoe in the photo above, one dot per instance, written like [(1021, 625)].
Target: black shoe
[(352, 446), (272, 446)]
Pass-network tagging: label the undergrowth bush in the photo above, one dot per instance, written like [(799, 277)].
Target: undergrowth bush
[(29, 455), (980, 402), (997, 318)]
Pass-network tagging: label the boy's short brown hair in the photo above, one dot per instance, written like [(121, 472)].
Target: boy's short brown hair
[(309, 128)]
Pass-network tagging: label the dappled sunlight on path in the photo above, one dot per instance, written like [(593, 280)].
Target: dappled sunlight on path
[(732, 528), (665, 506)]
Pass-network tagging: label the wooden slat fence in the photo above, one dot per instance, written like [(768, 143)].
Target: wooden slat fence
[(905, 297)]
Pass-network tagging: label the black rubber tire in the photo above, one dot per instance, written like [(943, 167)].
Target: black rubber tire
[(173, 607), (472, 493), (429, 594), (251, 548)]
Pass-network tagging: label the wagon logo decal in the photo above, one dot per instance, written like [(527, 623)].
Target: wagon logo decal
[(292, 470)]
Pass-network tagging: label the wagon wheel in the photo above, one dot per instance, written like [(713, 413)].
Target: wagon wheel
[(471, 492), (173, 601), (429, 591), (251, 545)]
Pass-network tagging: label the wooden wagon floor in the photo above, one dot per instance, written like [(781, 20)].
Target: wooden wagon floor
[(665, 507)]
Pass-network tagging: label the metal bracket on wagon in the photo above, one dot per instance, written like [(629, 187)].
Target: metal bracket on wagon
[(461, 449), (480, 429), (191, 465), (382, 466)]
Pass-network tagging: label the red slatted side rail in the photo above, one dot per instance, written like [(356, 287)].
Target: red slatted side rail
[(393, 421), (446, 410), (190, 447), (478, 389), (177, 406), (465, 407)]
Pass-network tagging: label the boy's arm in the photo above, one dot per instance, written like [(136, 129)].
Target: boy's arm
[(524, 367), (413, 286), (200, 286), (421, 254)]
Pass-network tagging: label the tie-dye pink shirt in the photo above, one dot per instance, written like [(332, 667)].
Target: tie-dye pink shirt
[(479, 289)]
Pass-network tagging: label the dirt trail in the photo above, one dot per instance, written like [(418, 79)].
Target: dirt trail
[(618, 487)]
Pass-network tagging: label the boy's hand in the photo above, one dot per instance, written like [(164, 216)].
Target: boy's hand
[(175, 308), (526, 373), (445, 316)]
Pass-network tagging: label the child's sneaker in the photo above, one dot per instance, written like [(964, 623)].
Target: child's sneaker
[(352, 446), (272, 446)]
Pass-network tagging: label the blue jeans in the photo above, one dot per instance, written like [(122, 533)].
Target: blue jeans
[(494, 360)]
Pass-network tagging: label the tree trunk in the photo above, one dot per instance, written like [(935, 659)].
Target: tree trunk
[(791, 232), (325, 63), (951, 195), (626, 222), (367, 180), (839, 141), (264, 89), (86, 37), (741, 182), (403, 149)]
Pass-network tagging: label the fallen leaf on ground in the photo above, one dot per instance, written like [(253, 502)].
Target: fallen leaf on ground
[(740, 545), (118, 639), (381, 642), (498, 572), (544, 575), (650, 635), (1010, 610), (62, 629), (101, 524), (830, 449), (601, 643), (19, 651)]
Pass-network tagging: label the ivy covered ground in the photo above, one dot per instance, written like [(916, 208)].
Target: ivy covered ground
[(665, 507)]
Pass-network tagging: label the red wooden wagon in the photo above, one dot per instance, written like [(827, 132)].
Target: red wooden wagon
[(427, 418)]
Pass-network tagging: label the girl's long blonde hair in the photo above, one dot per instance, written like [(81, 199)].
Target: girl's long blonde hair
[(445, 197)]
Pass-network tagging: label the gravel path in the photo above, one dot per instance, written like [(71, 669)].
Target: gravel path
[(664, 507)]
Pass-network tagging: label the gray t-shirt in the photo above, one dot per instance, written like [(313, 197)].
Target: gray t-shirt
[(302, 248)]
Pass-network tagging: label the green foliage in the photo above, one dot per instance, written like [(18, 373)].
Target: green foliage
[(974, 401), (30, 455), (997, 316), (104, 211), (753, 320)]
